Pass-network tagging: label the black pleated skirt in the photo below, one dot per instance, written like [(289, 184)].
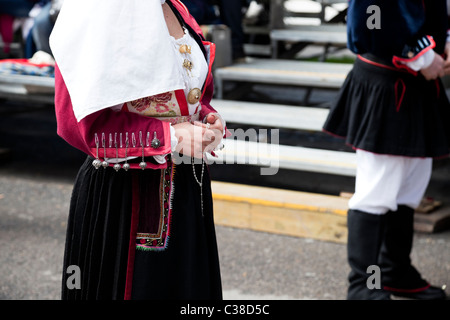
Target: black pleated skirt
[(108, 209), (387, 111)]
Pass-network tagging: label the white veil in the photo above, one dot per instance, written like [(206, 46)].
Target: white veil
[(113, 51)]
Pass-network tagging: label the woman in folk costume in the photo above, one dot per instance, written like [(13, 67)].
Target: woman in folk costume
[(394, 111), (133, 90)]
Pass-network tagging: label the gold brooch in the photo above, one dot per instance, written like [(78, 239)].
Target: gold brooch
[(194, 96), (188, 64), (185, 49)]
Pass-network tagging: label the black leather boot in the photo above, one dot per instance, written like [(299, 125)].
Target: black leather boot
[(399, 276), (363, 246)]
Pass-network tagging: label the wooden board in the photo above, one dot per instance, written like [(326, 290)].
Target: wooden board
[(278, 211), (435, 221)]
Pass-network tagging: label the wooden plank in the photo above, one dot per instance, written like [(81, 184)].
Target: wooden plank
[(271, 115), (434, 221), (278, 211)]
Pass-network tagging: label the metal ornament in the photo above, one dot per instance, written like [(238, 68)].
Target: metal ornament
[(142, 164), (105, 164), (126, 165), (96, 163), (194, 96), (117, 166), (185, 49), (188, 64), (156, 143)]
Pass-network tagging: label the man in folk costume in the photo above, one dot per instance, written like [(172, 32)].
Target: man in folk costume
[(394, 111), (133, 88)]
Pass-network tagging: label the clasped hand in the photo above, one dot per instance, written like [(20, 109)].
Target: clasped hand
[(196, 139), (439, 67)]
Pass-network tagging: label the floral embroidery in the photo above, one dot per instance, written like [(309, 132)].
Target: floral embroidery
[(161, 98), (141, 104), (160, 105), (162, 108)]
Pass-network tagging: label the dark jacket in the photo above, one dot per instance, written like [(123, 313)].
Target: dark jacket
[(406, 27)]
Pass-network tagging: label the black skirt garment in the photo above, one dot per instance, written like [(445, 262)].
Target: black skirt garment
[(387, 111), (110, 209)]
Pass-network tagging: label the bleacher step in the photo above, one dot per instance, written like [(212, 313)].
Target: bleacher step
[(271, 115), (272, 156), (284, 212), (319, 35), (283, 72)]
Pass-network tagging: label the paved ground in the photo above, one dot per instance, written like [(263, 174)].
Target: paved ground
[(33, 213)]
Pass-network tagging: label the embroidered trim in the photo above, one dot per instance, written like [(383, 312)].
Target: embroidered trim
[(183, 5), (159, 241), (376, 63), (176, 120), (423, 45), (406, 290)]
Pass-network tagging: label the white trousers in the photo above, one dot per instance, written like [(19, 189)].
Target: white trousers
[(383, 182)]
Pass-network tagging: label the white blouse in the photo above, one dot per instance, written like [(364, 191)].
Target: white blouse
[(194, 78)]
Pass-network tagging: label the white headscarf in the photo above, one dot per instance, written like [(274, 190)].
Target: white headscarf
[(113, 51)]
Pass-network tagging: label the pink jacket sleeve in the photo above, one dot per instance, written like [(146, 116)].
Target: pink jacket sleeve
[(106, 131)]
